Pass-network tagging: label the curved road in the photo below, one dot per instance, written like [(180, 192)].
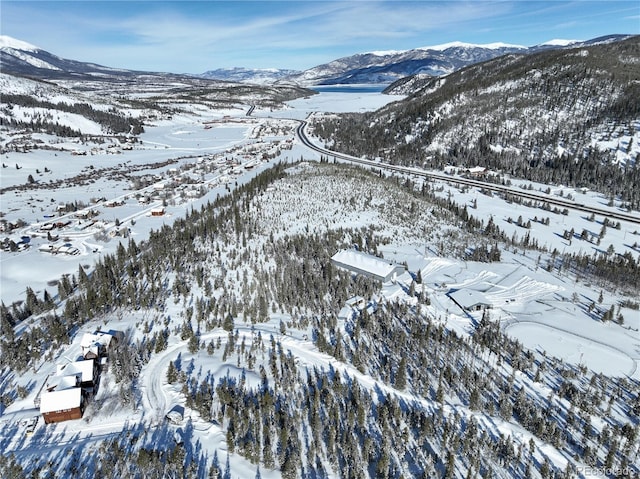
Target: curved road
[(616, 215)]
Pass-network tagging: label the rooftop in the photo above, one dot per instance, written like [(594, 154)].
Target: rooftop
[(365, 262), (82, 368), (59, 400), (468, 298)]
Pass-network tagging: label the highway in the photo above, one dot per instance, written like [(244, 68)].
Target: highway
[(554, 201)]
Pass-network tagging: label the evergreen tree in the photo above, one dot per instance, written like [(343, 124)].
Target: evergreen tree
[(401, 374), (228, 325)]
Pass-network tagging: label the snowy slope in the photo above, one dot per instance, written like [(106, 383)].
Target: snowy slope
[(280, 360), (20, 57), (7, 42)]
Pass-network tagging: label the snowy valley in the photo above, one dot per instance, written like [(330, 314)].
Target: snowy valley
[(251, 307)]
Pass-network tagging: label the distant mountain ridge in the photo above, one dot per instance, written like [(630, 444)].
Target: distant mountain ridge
[(248, 75), (386, 67), (438, 60)]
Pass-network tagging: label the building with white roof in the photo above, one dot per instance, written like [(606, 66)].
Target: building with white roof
[(85, 370), (369, 265), (96, 345), (62, 405), (64, 394), (57, 383), (470, 299)]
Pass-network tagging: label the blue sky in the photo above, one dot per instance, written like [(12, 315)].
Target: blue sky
[(195, 36)]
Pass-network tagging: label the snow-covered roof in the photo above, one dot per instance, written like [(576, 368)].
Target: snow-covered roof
[(346, 313), (356, 301), (84, 368), (99, 337), (366, 263), (62, 382), (59, 400), (92, 348), (468, 298)]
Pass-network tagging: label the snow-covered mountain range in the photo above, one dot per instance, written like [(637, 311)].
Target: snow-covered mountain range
[(388, 66), (22, 58), (260, 76), (438, 60)]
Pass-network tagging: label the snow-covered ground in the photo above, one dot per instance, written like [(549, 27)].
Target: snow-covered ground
[(168, 144), (544, 310)]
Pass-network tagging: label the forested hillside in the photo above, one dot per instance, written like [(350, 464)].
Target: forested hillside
[(392, 391), (568, 116)]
